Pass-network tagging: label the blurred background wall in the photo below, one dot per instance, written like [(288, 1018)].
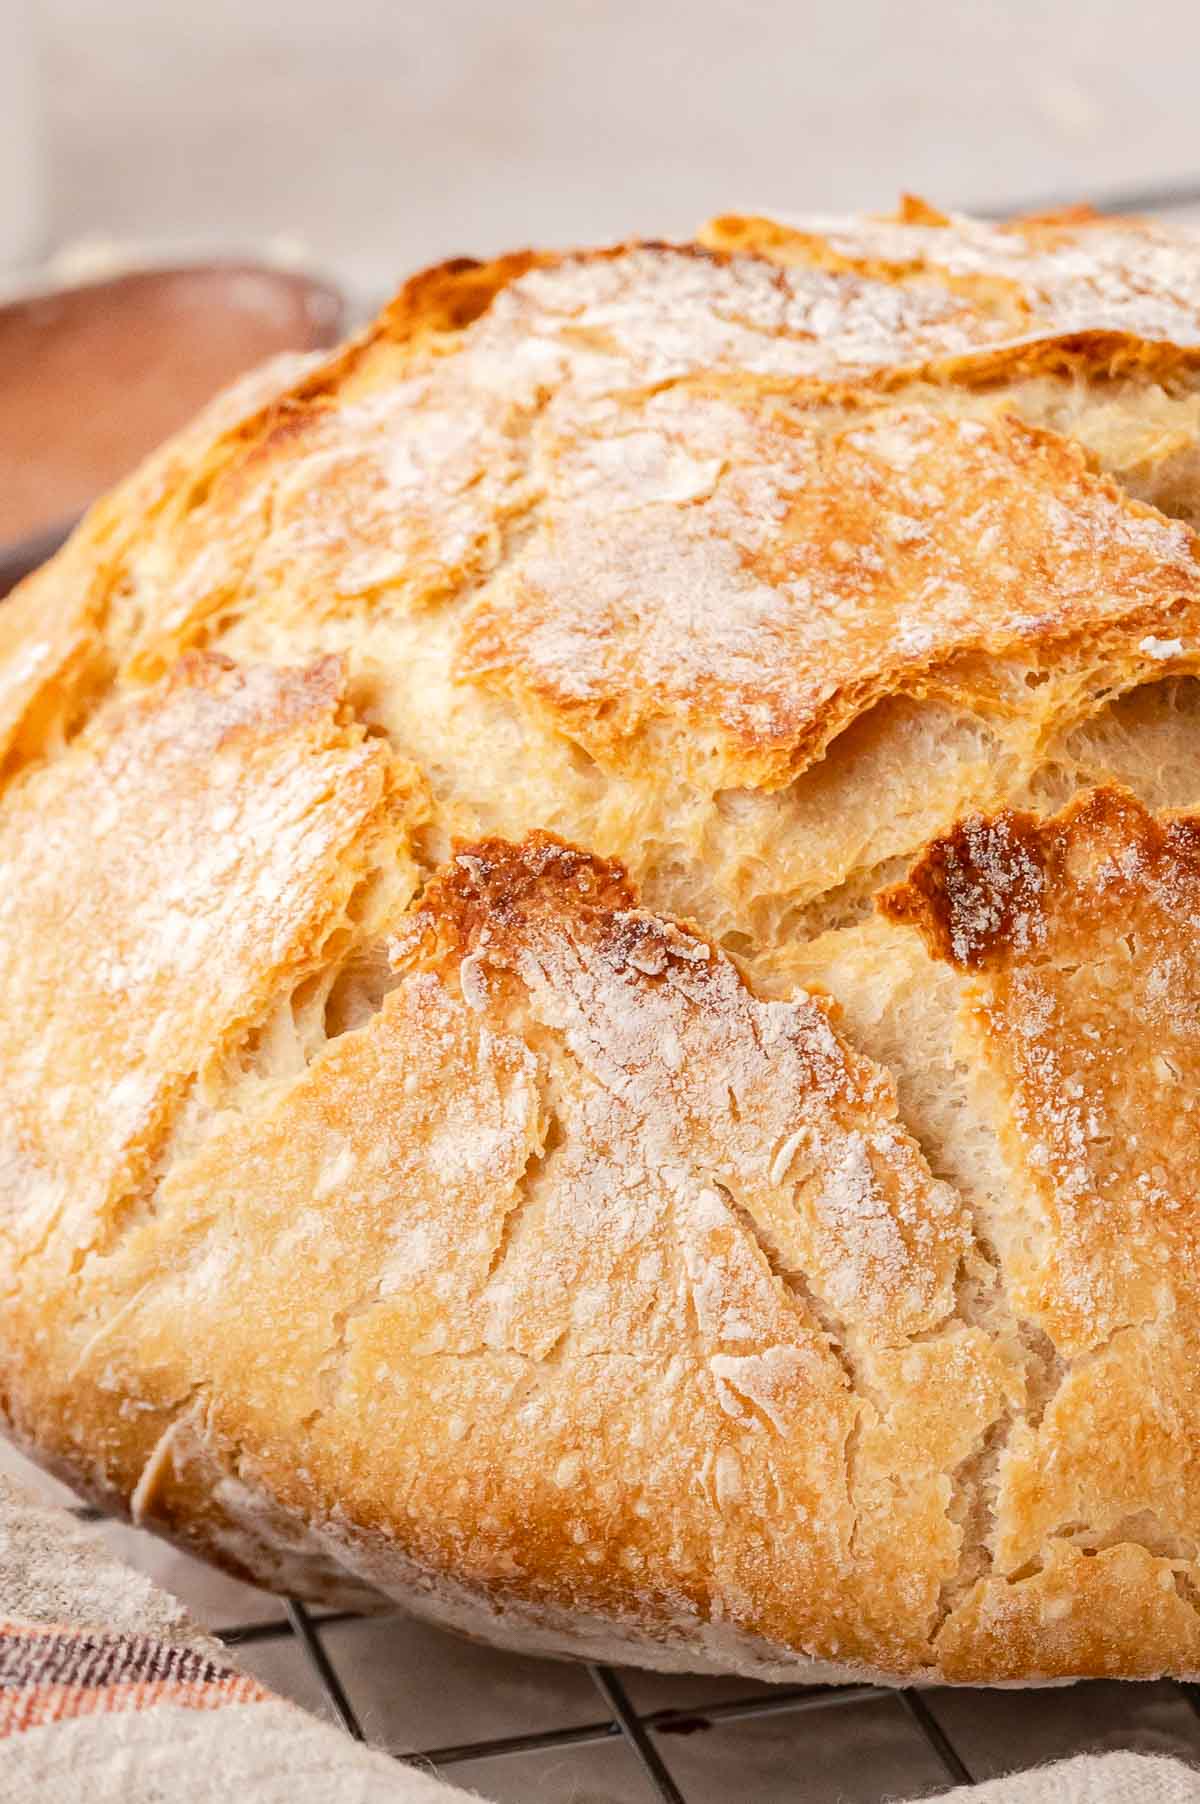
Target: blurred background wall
[(386, 135)]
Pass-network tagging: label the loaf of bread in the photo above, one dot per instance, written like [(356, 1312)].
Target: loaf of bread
[(600, 960)]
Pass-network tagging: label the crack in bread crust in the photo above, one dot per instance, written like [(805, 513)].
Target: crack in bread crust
[(395, 722)]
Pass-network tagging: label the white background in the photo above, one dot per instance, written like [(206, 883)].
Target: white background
[(386, 135)]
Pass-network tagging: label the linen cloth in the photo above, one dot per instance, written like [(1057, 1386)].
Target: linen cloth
[(109, 1693)]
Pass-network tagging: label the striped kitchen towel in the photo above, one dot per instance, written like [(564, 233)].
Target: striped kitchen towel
[(110, 1694), (53, 1673)]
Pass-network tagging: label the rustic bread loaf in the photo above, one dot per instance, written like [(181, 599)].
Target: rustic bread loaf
[(600, 955)]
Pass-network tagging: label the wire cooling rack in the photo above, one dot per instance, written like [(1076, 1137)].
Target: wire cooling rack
[(621, 1719), (618, 1719)]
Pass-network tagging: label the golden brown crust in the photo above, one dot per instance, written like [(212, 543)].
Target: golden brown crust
[(575, 1121), (1081, 934), (751, 578), (1081, 937), (183, 858), (1066, 275), (406, 1189), (450, 296), (1116, 1614)]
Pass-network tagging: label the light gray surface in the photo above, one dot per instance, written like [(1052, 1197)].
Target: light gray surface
[(607, 1774), (865, 1751), (389, 135), (414, 1687)]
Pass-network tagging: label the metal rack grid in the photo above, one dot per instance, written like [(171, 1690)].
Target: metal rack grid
[(621, 1720)]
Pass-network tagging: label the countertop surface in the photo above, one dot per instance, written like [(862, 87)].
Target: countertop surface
[(383, 136)]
